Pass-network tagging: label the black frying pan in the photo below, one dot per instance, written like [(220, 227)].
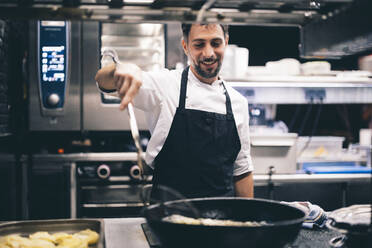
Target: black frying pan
[(284, 223)]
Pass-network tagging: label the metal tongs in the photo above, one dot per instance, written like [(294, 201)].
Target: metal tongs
[(136, 138), (111, 53)]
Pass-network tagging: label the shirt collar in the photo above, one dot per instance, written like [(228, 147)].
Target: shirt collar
[(192, 77)]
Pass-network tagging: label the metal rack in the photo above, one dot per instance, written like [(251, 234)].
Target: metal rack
[(252, 12), (329, 28), (304, 90)]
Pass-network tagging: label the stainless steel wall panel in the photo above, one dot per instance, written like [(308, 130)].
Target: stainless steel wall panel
[(139, 30)]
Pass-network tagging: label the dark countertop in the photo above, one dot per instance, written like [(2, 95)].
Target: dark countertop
[(314, 238), (128, 231)]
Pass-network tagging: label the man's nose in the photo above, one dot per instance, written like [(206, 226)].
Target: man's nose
[(208, 51)]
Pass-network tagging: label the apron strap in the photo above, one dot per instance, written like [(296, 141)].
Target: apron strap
[(228, 101), (184, 79)]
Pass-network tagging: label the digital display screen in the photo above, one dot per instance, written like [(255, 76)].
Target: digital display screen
[(53, 62), (53, 51)]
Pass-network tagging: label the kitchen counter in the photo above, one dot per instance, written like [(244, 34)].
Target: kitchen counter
[(128, 231), (303, 178)]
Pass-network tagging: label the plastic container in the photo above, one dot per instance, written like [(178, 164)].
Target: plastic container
[(274, 151), (235, 62), (319, 146)]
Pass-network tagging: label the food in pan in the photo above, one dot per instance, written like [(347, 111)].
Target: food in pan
[(180, 219), (89, 236), (45, 240)]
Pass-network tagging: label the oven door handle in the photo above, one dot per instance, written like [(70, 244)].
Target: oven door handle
[(113, 205)]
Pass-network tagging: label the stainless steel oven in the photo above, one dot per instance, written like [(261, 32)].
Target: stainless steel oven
[(63, 60), (85, 185), (108, 185)]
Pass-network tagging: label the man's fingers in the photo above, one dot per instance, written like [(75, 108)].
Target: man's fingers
[(129, 95), (128, 81), (124, 87), (117, 76), (119, 82)]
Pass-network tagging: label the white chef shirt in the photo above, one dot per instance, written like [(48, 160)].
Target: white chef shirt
[(159, 98)]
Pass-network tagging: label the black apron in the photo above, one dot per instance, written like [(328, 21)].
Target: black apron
[(198, 155)]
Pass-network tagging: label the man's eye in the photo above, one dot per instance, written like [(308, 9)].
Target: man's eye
[(198, 45), (216, 43)]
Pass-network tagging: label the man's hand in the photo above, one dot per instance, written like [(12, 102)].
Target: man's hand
[(127, 80)]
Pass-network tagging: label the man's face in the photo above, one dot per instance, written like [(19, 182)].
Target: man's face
[(205, 49)]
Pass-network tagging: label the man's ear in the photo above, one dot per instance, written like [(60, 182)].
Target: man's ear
[(227, 39), (184, 46)]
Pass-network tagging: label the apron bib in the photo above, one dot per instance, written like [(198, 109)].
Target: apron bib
[(197, 158)]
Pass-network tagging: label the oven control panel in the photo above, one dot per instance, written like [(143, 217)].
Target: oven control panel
[(124, 171), (53, 44)]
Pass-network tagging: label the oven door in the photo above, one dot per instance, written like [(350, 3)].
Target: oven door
[(109, 186), (132, 42)]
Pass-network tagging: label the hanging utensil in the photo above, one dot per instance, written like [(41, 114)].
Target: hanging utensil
[(108, 56), (136, 138)]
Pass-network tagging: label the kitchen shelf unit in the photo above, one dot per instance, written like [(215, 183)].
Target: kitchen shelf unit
[(328, 28), (270, 12), (304, 89)]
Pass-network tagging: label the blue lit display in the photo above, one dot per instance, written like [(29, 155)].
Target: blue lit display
[(53, 41)]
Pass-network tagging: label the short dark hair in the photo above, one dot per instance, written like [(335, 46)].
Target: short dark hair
[(186, 27)]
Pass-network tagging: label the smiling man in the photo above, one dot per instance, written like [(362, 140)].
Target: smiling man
[(199, 142), (205, 52)]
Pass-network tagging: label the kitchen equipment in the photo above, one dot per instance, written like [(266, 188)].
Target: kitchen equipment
[(89, 185), (132, 117), (284, 223), (54, 78), (284, 67), (275, 151), (235, 62), (13, 187), (354, 222), (24, 228), (365, 137), (135, 135), (257, 115), (337, 169), (63, 59), (319, 146), (133, 43)]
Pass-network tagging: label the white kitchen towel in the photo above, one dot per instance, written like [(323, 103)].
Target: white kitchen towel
[(315, 215)]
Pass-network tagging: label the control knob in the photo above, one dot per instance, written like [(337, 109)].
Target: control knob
[(103, 171), (135, 172), (53, 99)]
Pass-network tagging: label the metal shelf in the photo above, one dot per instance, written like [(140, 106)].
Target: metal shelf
[(304, 89), (249, 12), (329, 28)]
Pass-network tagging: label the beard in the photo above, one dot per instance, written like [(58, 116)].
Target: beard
[(208, 73)]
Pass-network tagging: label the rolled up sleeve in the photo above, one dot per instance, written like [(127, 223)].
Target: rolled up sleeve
[(243, 162)]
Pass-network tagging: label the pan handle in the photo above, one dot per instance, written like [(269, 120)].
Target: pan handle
[(338, 241)]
